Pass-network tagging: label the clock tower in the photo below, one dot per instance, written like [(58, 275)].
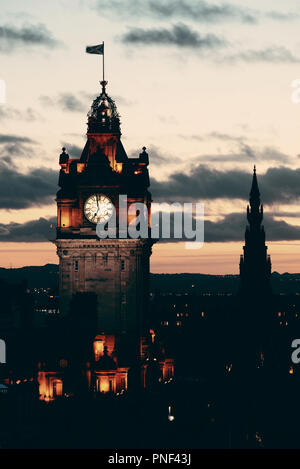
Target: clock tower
[(115, 270)]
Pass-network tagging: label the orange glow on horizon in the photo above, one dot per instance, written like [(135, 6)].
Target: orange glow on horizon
[(213, 258)]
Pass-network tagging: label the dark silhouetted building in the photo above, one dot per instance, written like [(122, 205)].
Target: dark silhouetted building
[(253, 322), (255, 263)]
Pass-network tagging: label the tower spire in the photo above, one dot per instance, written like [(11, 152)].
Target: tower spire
[(255, 210), (254, 193), (255, 292), (255, 267)]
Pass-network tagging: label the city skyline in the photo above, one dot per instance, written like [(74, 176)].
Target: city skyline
[(149, 226), (203, 131)]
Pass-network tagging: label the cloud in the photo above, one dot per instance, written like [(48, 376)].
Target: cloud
[(157, 156), (240, 150), (277, 185), (19, 191), (15, 150), (286, 214), (201, 182), (232, 228), (65, 101), (123, 101), (9, 112), (32, 231), (70, 102), (198, 11), (272, 54), (183, 36), (73, 150), (179, 35), (12, 37), (5, 138), (15, 146), (246, 153), (279, 16), (214, 136)]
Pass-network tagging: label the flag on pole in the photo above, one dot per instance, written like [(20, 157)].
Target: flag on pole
[(95, 49)]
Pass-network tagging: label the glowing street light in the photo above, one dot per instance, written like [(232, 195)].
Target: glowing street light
[(170, 417)]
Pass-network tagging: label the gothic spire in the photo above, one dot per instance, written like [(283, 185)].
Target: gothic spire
[(254, 193), (255, 211)]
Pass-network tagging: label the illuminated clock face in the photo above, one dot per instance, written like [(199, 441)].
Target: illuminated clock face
[(98, 208)]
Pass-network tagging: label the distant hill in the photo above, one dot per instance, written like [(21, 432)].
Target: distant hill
[(194, 283), (202, 283), (35, 276), (46, 276)]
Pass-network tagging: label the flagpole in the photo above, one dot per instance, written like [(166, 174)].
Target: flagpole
[(103, 60)]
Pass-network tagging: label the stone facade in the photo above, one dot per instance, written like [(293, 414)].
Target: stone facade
[(116, 271)]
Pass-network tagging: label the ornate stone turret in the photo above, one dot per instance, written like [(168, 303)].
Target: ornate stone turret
[(103, 116)]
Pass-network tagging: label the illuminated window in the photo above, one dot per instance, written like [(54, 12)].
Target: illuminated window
[(98, 348), (123, 383), (57, 388), (76, 266)]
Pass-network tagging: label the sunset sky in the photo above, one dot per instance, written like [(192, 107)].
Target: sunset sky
[(205, 86)]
